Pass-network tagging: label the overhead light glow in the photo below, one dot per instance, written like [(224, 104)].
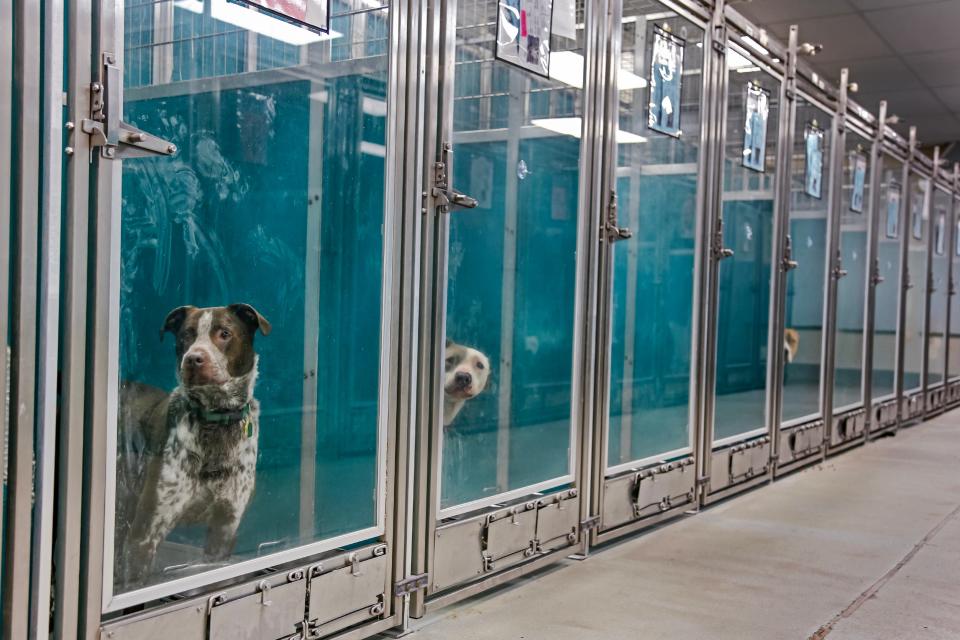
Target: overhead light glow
[(567, 67), (574, 127), (737, 61), (251, 20), (756, 46)]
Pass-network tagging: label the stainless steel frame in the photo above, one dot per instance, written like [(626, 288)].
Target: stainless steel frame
[(440, 38), (6, 215), (18, 607), (607, 163), (106, 23)]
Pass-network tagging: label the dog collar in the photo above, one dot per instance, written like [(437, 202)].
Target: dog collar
[(222, 417)]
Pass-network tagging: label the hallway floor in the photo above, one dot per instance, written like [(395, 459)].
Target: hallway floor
[(865, 546)]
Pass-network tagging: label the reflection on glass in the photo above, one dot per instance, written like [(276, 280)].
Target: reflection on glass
[(653, 270), (744, 297), (252, 426), (805, 285), (953, 254), (511, 266), (918, 203), (939, 298), (888, 268), (851, 290)]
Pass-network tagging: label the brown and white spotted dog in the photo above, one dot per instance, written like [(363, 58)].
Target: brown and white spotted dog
[(190, 457), (466, 371)]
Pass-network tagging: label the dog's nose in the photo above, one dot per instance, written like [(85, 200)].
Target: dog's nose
[(195, 359), (462, 379)]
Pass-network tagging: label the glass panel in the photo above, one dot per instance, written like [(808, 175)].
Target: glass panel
[(511, 267), (954, 256), (889, 234), (918, 195), (744, 297), (805, 286), (653, 271), (273, 204), (939, 272), (855, 213)]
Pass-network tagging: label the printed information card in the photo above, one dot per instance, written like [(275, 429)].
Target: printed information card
[(523, 34)]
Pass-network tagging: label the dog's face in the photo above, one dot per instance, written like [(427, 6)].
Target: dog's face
[(465, 371), (215, 344)]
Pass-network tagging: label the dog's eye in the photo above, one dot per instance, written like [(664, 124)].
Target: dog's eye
[(224, 334), (480, 366), (450, 362)]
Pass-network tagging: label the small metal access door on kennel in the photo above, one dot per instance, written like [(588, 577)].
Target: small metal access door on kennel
[(506, 227), (651, 263), (234, 158)]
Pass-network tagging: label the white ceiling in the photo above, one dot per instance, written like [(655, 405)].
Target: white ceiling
[(904, 51)]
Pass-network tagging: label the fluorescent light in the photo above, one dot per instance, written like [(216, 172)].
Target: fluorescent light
[(753, 44), (574, 127), (737, 61), (374, 107), (252, 20), (627, 81), (749, 69), (567, 67), (565, 126), (373, 149)]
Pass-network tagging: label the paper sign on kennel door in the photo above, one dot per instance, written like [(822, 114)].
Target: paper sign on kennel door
[(858, 167), (666, 71), (755, 127), (813, 175), (311, 14), (523, 34)]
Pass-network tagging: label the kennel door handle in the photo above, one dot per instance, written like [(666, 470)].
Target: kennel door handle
[(615, 232), (462, 200), (790, 265)]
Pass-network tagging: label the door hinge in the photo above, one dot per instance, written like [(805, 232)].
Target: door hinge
[(116, 138), (411, 584)]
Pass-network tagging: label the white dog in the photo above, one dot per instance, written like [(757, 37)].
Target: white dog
[(466, 371)]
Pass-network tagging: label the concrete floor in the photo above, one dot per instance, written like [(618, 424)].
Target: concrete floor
[(863, 547)]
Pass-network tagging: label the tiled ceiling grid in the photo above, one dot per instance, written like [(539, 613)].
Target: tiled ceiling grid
[(906, 52)]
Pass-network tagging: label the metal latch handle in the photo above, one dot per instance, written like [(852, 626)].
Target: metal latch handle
[(788, 263), (615, 233), (446, 196)]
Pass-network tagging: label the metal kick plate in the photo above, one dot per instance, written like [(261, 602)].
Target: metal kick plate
[(674, 485), (750, 462), (719, 470), (511, 534), (188, 623), (457, 554), (341, 592), (617, 501), (558, 520), (267, 615)]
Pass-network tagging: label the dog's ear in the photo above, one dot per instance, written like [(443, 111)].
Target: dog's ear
[(449, 342), (251, 317), (175, 320)]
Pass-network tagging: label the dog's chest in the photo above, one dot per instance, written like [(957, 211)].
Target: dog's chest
[(215, 462)]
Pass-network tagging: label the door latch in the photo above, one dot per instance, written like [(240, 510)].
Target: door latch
[(839, 271), (116, 138), (875, 277), (788, 263), (447, 197), (717, 250), (615, 233)]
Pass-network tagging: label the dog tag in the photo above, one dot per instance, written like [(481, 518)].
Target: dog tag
[(247, 427)]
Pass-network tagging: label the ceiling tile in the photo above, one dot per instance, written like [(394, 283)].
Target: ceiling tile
[(873, 74), (846, 37), (774, 11), (950, 97), (925, 27), (907, 103), (871, 5), (936, 69)]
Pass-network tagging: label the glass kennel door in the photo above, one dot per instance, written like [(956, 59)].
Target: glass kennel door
[(749, 168), (508, 383), (246, 317), (652, 160), (939, 287), (653, 271), (854, 214), (953, 365), (805, 291), (889, 227), (918, 202)]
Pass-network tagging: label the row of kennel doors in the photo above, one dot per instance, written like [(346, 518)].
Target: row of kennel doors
[(517, 309)]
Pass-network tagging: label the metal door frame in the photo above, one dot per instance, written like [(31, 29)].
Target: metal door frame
[(604, 334), (90, 399), (952, 275), (726, 25), (439, 78), (938, 183)]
